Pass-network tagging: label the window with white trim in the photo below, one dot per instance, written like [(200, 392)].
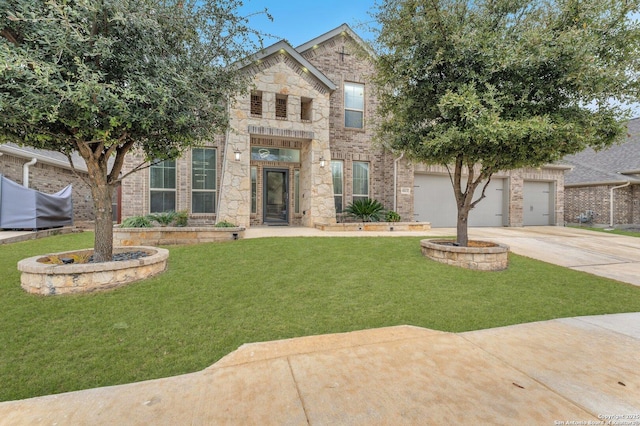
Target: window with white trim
[(162, 187), (360, 180), (203, 180), (337, 172), (354, 105)]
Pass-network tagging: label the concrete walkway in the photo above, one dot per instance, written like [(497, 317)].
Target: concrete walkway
[(576, 370)]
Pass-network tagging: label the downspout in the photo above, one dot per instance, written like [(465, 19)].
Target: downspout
[(395, 181), (25, 172), (611, 202)]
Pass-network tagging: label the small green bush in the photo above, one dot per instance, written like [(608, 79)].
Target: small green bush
[(365, 209), (225, 224), (392, 216), (136, 222), (181, 218), (164, 218)]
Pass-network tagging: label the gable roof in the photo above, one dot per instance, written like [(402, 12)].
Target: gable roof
[(614, 165), (342, 29), (284, 47)]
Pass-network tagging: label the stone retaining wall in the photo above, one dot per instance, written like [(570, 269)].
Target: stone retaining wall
[(171, 235), (375, 226), (48, 280), (493, 258)]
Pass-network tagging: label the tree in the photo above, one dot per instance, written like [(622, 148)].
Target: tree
[(495, 85), (104, 77)]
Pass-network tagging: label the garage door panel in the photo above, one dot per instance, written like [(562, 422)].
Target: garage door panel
[(434, 202), (537, 203)]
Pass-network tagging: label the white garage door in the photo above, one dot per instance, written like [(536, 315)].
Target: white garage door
[(538, 203), (434, 202)]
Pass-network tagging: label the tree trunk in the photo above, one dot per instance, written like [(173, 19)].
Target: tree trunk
[(462, 229), (103, 241)]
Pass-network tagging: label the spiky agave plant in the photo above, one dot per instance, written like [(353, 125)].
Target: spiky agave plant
[(365, 209)]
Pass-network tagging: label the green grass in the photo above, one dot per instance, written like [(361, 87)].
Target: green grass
[(614, 231), (215, 297)]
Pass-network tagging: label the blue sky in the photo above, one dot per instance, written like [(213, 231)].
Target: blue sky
[(303, 20), (299, 21)]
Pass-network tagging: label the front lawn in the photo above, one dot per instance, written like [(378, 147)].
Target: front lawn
[(215, 297)]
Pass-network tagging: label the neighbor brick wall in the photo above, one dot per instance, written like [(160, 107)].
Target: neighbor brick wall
[(626, 209), (51, 179)]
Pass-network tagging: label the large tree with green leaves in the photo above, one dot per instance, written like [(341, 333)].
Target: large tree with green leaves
[(102, 77), (482, 86)]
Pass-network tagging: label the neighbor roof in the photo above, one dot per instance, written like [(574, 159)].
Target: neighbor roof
[(53, 158), (616, 164)]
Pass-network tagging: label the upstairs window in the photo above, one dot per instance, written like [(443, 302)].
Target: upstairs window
[(305, 109), (354, 105), (281, 107), (256, 103)]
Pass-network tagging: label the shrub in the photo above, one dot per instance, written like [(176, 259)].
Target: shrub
[(365, 209), (136, 222), (225, 224), (392, 216), (164, 218), (181, 218)]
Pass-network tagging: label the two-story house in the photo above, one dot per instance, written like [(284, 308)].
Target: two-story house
[(300, 149)]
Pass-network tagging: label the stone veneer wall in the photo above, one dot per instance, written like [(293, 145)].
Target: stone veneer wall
[(51, 179), (626, 208), (279, 74)]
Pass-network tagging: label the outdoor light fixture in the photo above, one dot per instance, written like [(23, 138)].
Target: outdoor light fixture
[(237, 154), (321, 161)]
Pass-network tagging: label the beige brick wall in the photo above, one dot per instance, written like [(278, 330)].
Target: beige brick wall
[(351, 145), (51, 179)]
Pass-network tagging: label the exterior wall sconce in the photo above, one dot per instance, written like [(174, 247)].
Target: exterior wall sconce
[(322, 162), (236, 153)]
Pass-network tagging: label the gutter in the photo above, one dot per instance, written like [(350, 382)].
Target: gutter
[(611, 202), (395, 181), (25, 171)]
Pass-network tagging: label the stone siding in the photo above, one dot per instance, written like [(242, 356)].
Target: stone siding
[(51, 179)]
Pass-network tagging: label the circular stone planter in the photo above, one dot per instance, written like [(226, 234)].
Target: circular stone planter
[(485, 256), (47, 279)]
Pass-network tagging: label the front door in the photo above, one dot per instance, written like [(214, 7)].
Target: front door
[(276, 196)]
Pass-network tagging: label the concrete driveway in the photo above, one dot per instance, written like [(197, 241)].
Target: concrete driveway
[(599, 253)]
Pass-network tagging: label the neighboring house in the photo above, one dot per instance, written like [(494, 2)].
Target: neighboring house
[(600, 180), (300, 150), (49, 173)]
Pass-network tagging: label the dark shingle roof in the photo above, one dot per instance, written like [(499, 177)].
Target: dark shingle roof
[(612, 165)]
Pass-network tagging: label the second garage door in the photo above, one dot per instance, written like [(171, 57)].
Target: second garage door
[(434, 202)]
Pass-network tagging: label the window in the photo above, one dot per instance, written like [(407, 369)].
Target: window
[(353, 105), (337, 174), (203, 180), (162, 186), (256, 103), (254, 189), (305, 109), (281, 107), (360, 180)]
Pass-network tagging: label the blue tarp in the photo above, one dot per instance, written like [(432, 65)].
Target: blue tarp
[(25, 208)]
